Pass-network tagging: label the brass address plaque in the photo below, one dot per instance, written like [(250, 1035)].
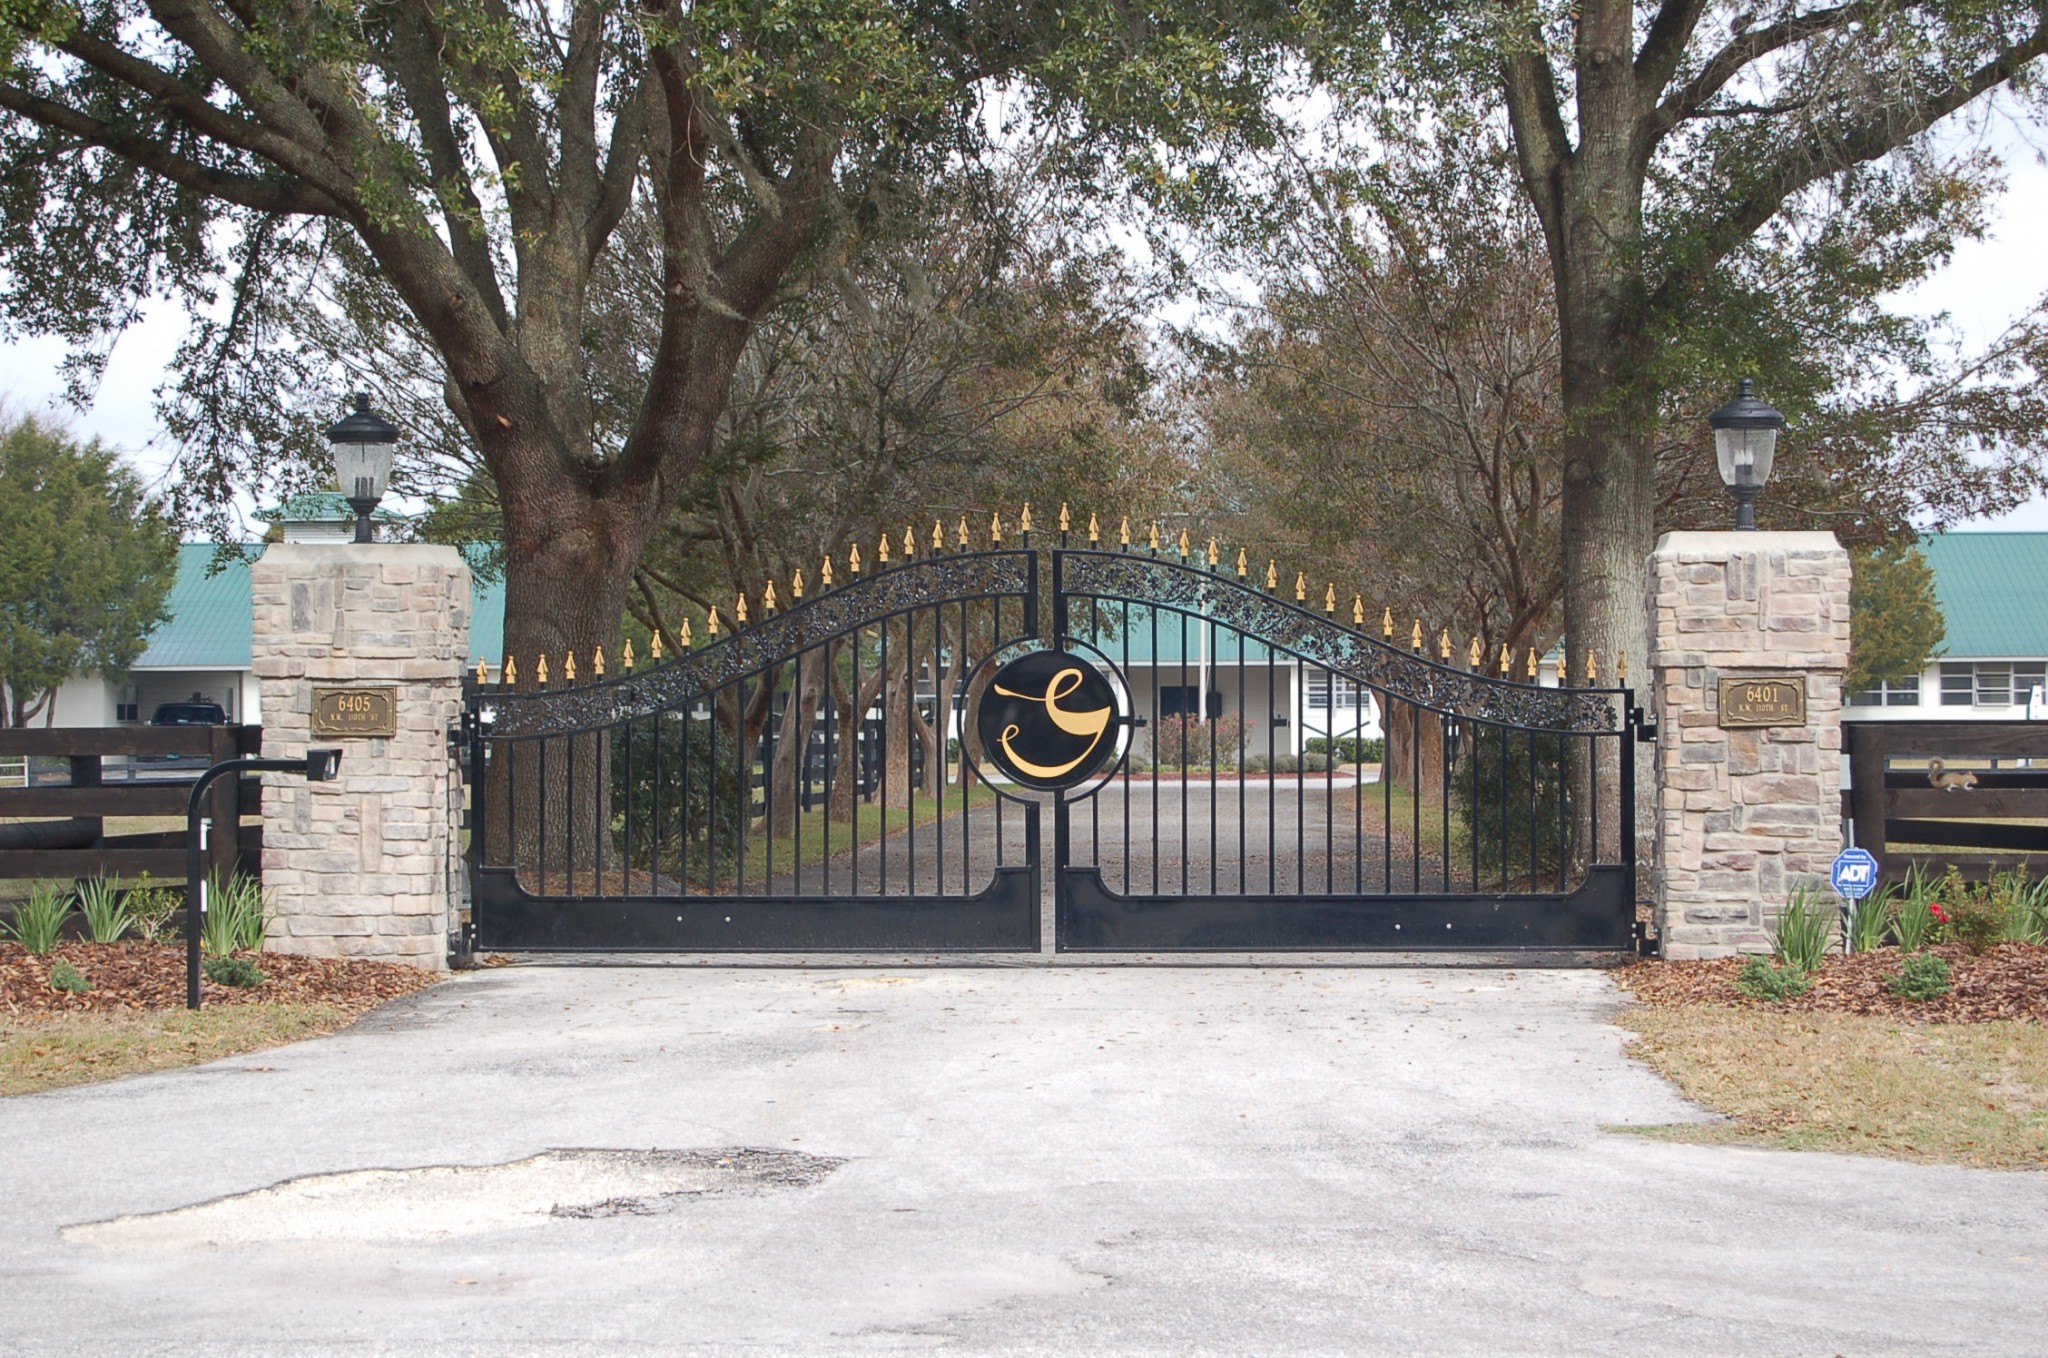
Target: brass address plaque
[(1763, 702), (355, 712)]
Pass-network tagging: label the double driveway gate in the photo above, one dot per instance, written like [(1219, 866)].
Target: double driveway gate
[(902, 761)]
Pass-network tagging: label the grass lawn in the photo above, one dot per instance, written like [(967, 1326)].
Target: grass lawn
[(1954, 1093), (51, 1051), (822, 838)]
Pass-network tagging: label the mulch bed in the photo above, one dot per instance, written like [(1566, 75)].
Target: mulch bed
[(133, 975), (2006, 982)]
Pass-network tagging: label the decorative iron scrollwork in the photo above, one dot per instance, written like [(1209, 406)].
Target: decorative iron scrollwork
[(677, 683), (1154, 582)]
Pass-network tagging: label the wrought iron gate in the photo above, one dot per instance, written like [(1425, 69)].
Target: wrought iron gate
[(867, 770)]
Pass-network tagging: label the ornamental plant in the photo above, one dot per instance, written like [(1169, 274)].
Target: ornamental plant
[(1914, 922), (1924, 976), (39, 920), (68, 979), (1971, 913), (1802, 931), (107, 913), (1760, 980)]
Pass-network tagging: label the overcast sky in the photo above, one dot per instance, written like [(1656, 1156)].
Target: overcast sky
[(1983, 289)]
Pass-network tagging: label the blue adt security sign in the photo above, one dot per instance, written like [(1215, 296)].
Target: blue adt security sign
[(1854, 874)]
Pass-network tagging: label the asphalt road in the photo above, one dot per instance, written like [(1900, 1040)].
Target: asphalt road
[(1009, 1161)]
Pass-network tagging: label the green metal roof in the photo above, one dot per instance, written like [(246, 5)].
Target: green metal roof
[(1993, 589), (210, 617), (320, 506), (209, 624)]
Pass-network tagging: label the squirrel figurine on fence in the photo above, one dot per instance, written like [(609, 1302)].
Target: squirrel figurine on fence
[(1961, 781)]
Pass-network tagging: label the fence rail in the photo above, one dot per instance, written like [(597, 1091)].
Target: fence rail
[(1969, 794), (72, 779)]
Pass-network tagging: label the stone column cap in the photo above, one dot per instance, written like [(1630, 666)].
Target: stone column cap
[(1746, 544), (366, 553)]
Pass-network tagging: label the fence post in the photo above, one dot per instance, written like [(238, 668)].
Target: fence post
[(1749, 639)]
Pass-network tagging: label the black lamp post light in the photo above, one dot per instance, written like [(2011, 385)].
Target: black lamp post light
[(363, 443), (1745, 443)]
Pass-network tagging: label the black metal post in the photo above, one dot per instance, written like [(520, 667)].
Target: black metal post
[(1745, 506), (363, 509), (317, 765)]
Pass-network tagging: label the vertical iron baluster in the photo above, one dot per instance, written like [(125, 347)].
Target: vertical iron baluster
[(1130, 746), (1186, 773), (913, 750), (996, 641), (1272, 776), (1563, 804), (882, 772), (1244, 749), (1297, 706), (952, 706), (1330, 788), (1593, 791), (771, 732), (1358, 790), (1415, 800), (1443, 726), (626, 771), (1152, 669), (542, 784), (1208, 677), (1472, 830), (1506, 734), (1152, 744), (569, 830), (1535, 877)]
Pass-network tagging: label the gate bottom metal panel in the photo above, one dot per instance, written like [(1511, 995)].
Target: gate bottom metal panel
[(1002, 917), (1600, 914)]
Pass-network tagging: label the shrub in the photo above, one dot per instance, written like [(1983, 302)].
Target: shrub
[(1973, 913), (2028, 922), (1518, 833), (150, 908), (1136, 765), (1871, 919), (40, 919), (702, 796), (1349, 749), (1802, 931), (239, 972), (1286, 763), (1255, 763), (69, 979), (107, 915), (1913, 922), (1923, 977), (1183, 740), (1762, 981)]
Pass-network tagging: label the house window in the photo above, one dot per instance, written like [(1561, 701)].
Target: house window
[(1891, 693), (1992, 685), (1320, 687)]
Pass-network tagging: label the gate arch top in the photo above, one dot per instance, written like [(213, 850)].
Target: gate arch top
[(1154, 581), (861, 602)]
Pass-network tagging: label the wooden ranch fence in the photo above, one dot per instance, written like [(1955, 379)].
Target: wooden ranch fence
[(1971, 794), (71, 781)]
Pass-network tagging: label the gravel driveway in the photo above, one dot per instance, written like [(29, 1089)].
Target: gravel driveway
[(1039, 1159)]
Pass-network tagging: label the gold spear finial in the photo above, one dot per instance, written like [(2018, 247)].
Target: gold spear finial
[(1094, 528), (1387, 625), (853, 556), (796, 586), (1182, 546), (1478, 656), (1507, 662), (964, 544), (1243, 566), (483, 672), (1532, 663), (1358, 610), (1564, 664), (683, 636), (1272, 574), (995, 528), (711, 623), (597, 663), (511, 671), (1415, 637), (768, 604), (882, 552), (1066, 518), (1301, 587), (1443, 646), (1592, 667), (1152, 537), (1024, 518), (626, 656), (568, 667), (1330, 599), (909, 545), (1215, 554), (1123, 533), (1621, 668), (654, 642), (825, 571), (543, 672), (739, 610)]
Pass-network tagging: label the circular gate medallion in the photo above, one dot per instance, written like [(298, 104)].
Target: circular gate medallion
[(1047, 719)]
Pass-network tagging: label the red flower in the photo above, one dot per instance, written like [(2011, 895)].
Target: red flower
[(1934, 909)]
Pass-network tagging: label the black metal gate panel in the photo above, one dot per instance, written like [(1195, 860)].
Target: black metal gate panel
[(1225, 768), (1253, 811), (795, 784)]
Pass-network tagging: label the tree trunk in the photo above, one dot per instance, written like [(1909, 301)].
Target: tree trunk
[(792, 740)]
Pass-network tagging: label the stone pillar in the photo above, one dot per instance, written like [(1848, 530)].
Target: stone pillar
[(1748, 800), (365, 866)]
